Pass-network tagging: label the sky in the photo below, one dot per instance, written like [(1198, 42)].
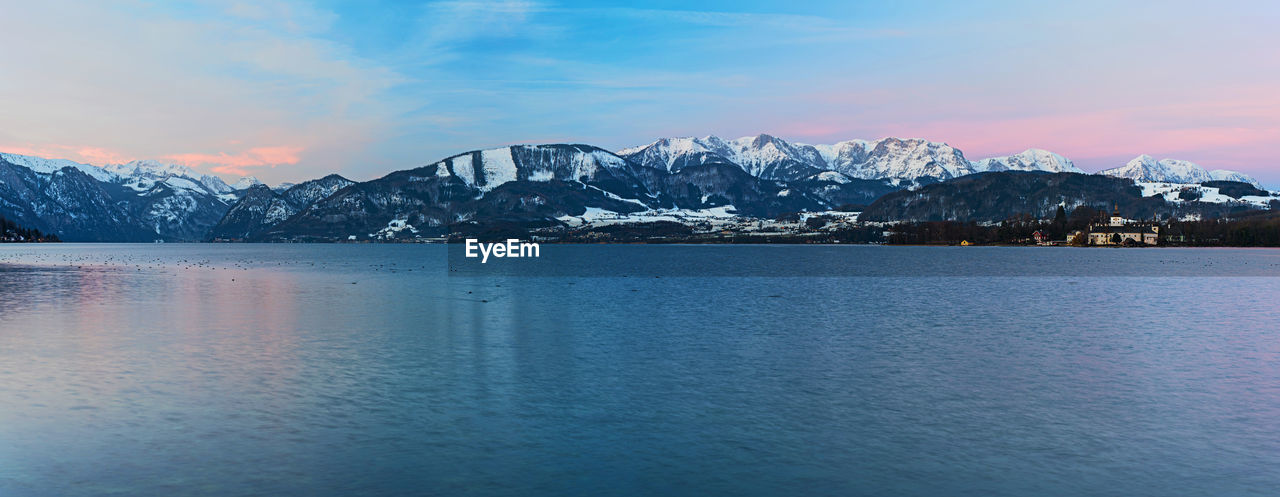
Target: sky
[(293, 90)]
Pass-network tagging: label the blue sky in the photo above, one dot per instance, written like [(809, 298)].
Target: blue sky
[(292, 90)]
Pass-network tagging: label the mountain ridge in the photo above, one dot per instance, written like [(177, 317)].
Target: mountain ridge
[(756, 176)]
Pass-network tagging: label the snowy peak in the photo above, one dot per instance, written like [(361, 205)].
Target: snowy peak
[(844, 155), (763, 156), (245, 183), (1146, 168), (142, 174), (215, 184), (899, 159), (1030, 160), (488, 169), (150, 169), (674, 154), (1225, 175), (769, 157), (908, 159), (49, 166), (139, 175), (309, 192)]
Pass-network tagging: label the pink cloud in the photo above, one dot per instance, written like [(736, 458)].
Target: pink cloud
[(240, 163), (221, 162), (1237, 129), (84, 154), (1100, 138)]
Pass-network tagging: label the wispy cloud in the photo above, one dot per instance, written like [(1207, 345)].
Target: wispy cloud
[(188, 77), (362, 88), (84, 154), (241, 163), (806, 27)]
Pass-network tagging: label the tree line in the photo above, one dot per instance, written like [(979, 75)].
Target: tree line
[(1251, 229), (11, 232), (1258, 229)]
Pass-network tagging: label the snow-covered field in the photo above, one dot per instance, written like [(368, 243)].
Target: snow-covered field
[(704, 220), (1171, 193), (600, 217)]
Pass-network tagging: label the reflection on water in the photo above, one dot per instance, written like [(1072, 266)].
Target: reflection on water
[(341, 370)]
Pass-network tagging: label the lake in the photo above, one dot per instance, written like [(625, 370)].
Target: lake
[(337, 370)]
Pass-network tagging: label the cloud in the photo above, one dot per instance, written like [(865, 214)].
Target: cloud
[(185, 77), (804, 28), (441, 29), (97, 156), (240, 163)]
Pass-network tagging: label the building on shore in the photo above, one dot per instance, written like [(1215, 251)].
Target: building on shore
[(1117, 230)]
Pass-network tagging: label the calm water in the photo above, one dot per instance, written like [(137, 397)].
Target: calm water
[(343, 370)]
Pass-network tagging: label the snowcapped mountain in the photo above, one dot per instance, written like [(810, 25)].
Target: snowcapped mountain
[(773, 158), (138, 201), (901, 159), (67, 201), (769, 157), (517, 184), (1033, 159), (485, 170), (1147, 169), (896, 159), (48, 166), (762, 156), (673, 154), (245, 183), (261, 208), (1225, 175), (308, 192), (514, 183), (141, 175), (762, 176), (150, 168)]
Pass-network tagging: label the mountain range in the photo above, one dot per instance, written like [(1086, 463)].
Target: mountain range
[(998, 196), (141, 201), (761, 176), (1146, 168)]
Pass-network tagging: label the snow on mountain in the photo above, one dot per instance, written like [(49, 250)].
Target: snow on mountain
[(832, 177), (769, 157), (1225, 175), (1147, 169), (897, 159), (1030, 160), (261, 207), (150, 168), (48, 166), (773, 158), (1178, 193), (908, 159), (245, 182), (845, 154), (762, 156), (142, 175), (309, 192), (84, 203), (674, 154), (488, 169), (215, 184)]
